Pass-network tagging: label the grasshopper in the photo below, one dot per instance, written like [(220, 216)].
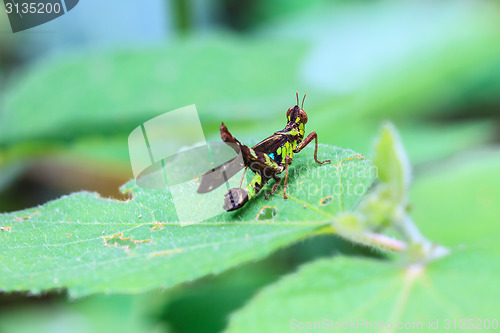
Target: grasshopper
[(267, 159)]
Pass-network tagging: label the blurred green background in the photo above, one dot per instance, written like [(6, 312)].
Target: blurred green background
[(73, 89)]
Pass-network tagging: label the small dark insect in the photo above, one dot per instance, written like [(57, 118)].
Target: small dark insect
[(267, 159)]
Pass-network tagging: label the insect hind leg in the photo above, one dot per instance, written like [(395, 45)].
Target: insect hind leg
[(256, 160), (229, 139), (277, 181), (235, 198), (264, 167)]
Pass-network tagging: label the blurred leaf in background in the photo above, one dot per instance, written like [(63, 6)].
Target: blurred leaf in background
[(459, 285), (433, 68), (359, 63)]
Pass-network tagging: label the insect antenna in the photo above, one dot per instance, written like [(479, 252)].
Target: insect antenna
[(303, 99), (297, 93)]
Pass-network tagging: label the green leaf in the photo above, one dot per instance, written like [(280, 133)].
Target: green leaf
[(346, 290), (426, 143), (99, 313), (88, 244), (420, 64), (316, 192), (386, 203), (130, 87), (392, 162), (46, 109), (436, 67), (454, 204)]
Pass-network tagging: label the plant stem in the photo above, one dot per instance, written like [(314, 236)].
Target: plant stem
[(379, 241), (420, 248)]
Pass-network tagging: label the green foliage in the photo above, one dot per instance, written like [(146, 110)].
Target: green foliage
[(420, 286), (345, 290), (109, 94), (88, 244), (316, 192), (457, 202), (99, 314), (386, 204), (392, 162), (432, 68), (90, 102)]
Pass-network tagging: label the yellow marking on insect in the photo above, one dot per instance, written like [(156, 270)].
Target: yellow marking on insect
[(165, 253), (257, 179), (6, 228), (287, 151)]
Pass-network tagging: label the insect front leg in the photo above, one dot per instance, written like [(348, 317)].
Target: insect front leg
[(288, 161), (307, 140)]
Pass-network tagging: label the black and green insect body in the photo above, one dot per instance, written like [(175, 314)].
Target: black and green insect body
[(267, 159)]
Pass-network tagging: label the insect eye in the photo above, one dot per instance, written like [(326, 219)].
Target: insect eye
[(303, 116)]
